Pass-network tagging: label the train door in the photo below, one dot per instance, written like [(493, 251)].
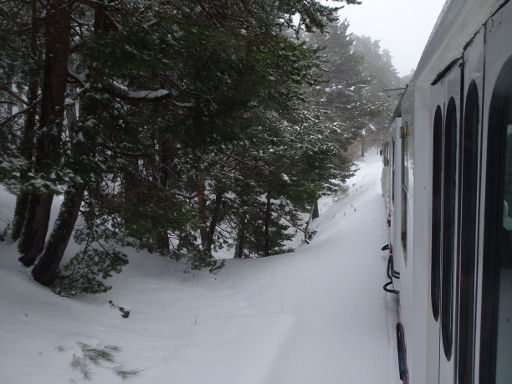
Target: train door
[(446, 105), (433, 328), (449, 222), (494, 326), (392, 168)]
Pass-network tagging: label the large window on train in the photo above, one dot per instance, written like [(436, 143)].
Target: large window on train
[(385, 154), (496, 332), (393, 174), (404, 132), (468, 220), (448, 226), (437, 172)]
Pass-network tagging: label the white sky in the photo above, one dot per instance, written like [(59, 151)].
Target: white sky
[(402, 26)]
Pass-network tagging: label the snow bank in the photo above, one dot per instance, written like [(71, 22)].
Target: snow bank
[(317, 315)]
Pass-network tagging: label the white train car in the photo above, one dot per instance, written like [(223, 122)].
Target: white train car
[(447, 180)]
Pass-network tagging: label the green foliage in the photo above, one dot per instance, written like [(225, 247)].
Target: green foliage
[(382, 75), (86, 271), (191, 127), (100, 257), (356, 74)]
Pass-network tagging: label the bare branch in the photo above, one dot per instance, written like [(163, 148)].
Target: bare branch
[(14, 95), (189, 198), (17, 114), (76, 78)]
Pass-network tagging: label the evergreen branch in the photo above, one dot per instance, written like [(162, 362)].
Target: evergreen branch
[(189, 198), (209, 14), (132, 155), (75, 45), (230, 199), (175, 84), (103, 247), (143, 10), (8, 102), (247, 8), (101, 8), (230, 155), (152, 23), (171, 171), (76, 78), (146, 96), (292, 224), (96, 4)]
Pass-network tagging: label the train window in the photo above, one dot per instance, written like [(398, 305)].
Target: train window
[(496, 331), (437, 170), (448, 226), (468, 217), (393, 174), (404, 132)]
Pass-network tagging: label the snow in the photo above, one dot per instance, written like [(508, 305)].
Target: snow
[(148, 94), (318, 315)]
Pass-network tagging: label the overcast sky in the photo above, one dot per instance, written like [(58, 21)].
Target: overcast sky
[(402, 26)]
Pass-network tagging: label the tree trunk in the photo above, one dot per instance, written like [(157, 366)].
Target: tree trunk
[(20, 211), (27, 141), (363, 144), (36, 226), (268, 216), (58, 27), (213, 223), (203, 217), (240, 240), (10, 105), (167, 148), (45, 270), (315, 214), (167, 155)]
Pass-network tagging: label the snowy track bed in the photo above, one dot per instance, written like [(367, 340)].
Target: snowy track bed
[(315, 316)]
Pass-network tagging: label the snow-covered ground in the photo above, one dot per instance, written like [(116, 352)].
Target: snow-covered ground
[(315, 316)]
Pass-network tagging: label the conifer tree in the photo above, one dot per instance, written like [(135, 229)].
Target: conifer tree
[(160, 121)]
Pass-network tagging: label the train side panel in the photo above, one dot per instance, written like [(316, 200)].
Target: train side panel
[(443, 124)]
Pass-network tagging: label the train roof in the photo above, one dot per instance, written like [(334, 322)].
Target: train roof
[(456, 25)]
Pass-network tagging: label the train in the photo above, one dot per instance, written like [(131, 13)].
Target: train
[(447, 183)]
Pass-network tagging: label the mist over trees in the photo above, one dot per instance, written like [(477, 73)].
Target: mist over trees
[(359, 75), (178, 127)]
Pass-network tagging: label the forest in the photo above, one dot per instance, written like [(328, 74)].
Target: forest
[(184, 128)]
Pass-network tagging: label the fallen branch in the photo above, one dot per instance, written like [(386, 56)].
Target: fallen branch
[(215, 268)]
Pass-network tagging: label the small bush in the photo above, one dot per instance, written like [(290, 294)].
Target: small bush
[(86, 271)]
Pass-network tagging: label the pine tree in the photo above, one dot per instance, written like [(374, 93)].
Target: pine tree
[(159, 121)]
